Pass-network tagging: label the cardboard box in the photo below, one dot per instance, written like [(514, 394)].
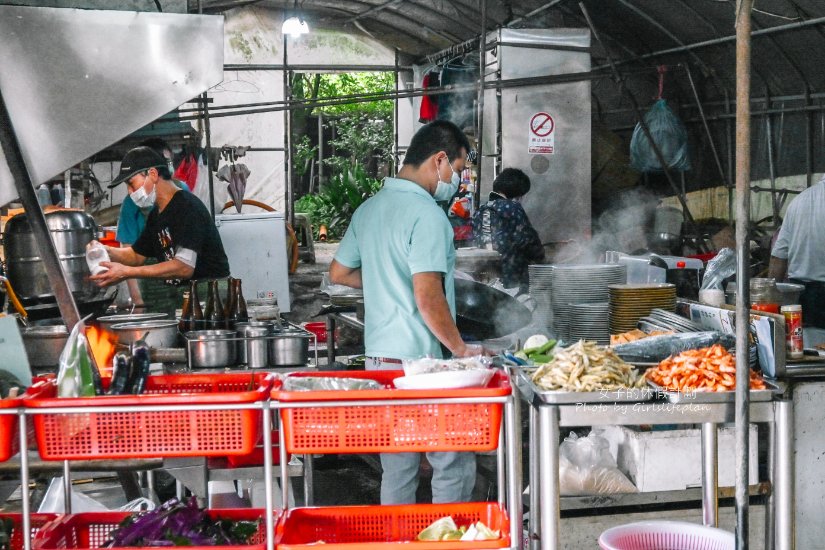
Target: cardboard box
[(667, 460)]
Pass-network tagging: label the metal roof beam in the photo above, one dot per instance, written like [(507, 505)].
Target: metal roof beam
[(372, 10)]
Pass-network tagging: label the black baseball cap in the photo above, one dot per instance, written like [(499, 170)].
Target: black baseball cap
[(137, 160)]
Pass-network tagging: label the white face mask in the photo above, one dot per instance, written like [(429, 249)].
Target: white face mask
[(144, 201), (444, 191)]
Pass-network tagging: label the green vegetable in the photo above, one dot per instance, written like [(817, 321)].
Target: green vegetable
[(541, 350), (540, 358), (521, 355)]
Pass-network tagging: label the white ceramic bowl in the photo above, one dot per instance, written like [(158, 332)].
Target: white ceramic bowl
[(445, 380)]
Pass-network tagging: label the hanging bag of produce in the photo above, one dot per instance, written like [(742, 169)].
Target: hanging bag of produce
[(77, 375), (669, 134)]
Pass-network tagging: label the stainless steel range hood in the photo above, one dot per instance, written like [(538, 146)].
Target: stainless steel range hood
[(76, 81), (73, 82)]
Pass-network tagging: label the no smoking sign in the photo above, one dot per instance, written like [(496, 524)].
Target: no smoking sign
[(541, 136)]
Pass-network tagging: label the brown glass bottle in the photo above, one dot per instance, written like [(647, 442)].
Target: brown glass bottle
[(214, 314), (197, 312), (239, 313), (230, 297), (185, 321)]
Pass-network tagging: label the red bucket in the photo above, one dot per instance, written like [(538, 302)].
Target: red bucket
[(319, 329)]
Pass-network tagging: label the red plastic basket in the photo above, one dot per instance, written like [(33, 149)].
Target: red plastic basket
[(91, 529), (77, 436), (396, 428), (37, 521), (9, 423), (377, 527)]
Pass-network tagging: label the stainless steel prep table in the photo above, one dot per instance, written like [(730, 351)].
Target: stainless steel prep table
[(547, 419)]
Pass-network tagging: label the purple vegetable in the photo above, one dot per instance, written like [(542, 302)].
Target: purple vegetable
[(178, 524)]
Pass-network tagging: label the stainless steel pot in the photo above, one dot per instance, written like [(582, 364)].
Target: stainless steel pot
[(288, 348), (211, 348), (256, 349), (108, 321), (71, 231), (160, 333), (44, 344)]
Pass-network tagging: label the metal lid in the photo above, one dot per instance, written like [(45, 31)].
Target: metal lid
[(130, 317), (154, 323)]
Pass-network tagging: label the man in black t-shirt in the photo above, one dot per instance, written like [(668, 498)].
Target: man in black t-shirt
[(180, 232)]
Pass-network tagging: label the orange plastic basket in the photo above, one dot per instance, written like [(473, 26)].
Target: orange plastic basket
[(37, 521), (92, 529), (78, 436), (377, 527), (396, 428)]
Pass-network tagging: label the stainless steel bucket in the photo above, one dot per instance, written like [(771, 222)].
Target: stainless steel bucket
[(211, 348), (289, 348)]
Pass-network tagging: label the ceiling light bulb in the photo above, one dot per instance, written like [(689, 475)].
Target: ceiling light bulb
[(295, 26)]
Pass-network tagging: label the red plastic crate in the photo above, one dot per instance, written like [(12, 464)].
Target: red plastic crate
[(397, 428), (385, 527), (78, 436), (9, 423), (36, 522), (91, 529)]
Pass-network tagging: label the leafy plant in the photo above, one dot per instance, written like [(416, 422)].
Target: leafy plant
[(364, 138), (337, 200)]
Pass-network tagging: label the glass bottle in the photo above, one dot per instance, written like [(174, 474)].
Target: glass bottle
[(214, 314), (197, 312), (230, 297), (185, 321), (239, 313)]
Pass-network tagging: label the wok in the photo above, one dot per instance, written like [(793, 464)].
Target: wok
[(484, 313)]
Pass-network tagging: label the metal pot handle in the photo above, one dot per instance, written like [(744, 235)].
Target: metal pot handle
[(15, 302)]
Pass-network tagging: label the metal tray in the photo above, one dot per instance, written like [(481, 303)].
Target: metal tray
[(539, 396), (714, 396)]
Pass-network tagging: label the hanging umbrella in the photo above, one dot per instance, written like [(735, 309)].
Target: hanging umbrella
[(235, 176)]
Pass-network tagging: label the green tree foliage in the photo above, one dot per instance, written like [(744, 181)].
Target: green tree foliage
[(337, 200)]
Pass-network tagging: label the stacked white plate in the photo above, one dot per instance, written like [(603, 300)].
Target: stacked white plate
[(541, 283), (581, 284), (590, 322)]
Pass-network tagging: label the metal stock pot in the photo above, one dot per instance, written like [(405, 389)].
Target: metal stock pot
[(71, 231)]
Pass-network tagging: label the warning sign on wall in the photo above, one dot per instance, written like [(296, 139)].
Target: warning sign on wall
[(541, 137)]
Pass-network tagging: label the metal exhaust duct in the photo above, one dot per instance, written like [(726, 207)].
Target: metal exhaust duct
[(76, 81)]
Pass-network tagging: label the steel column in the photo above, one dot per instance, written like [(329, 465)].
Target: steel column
[(549, 490), (784, 483), (770, 502), (710, 475), (743, 166), (534, 529), (482, 56), (268, 498), (24, 481), (515, 506)]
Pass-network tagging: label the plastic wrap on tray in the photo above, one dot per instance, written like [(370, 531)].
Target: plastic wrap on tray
[(312, 383), (427, 365), (657, 348)]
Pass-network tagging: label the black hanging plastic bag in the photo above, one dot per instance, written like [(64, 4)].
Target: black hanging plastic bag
[(669, 134)]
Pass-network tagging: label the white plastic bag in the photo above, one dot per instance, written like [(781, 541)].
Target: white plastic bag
[(54, 501), (586, 467)]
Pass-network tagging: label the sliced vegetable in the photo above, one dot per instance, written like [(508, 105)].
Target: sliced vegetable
[(540, 350), (536, 341)]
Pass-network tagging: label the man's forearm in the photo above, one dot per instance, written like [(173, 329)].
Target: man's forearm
[(431, 302), (170, 269), (125, 256), (777, 268), (340, 274)]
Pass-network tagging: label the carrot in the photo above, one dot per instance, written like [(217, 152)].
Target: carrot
[(706, 369)]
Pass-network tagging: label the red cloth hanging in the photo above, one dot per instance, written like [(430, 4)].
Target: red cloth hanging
[(429, 104), (187, 171)]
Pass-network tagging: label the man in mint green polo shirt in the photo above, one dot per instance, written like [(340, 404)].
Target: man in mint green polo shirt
[(399, 249)]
